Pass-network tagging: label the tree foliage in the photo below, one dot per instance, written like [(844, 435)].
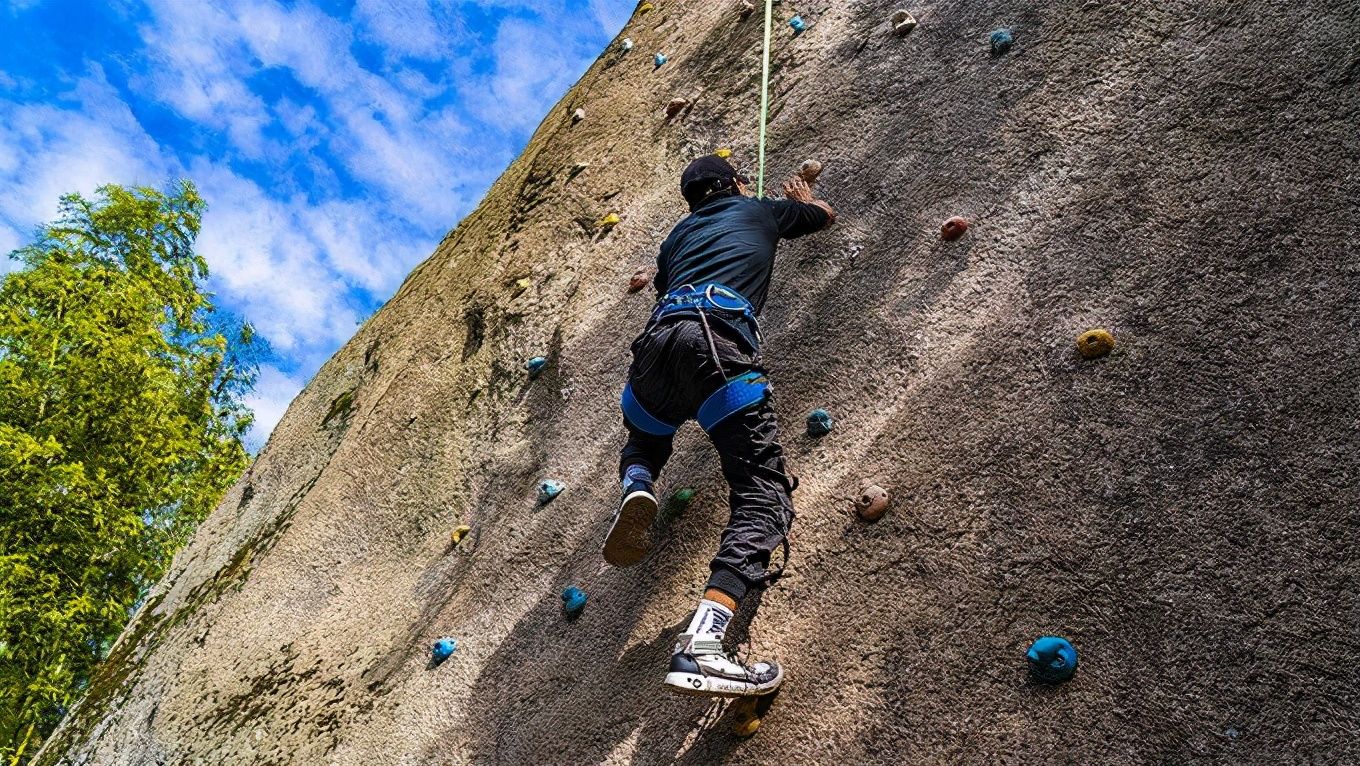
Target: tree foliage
[(121, 425)]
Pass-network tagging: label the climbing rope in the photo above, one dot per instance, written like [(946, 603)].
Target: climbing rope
[(764, 97)]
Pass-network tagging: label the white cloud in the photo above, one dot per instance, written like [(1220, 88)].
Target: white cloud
[(274, 391), (405, 27), (51, 150)]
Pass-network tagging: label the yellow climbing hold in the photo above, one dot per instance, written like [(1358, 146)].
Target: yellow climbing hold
[(608, 222), (459, 533), (724, 153), (745, 722), (645, 7), (1095, 343)]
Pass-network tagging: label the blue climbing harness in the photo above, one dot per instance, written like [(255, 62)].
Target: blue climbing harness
[(737, 394)]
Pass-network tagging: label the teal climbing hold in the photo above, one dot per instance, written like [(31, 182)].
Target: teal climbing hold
[(658, 60), (1001, 41), (443, 649), (1052, 659), (799, 26), (820, 423), (547, 490), (573, 601), (535, 365)]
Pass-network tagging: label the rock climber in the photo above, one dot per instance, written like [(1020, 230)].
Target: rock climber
[(699, 357)]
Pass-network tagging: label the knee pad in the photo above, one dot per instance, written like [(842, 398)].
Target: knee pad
[(736, 395)]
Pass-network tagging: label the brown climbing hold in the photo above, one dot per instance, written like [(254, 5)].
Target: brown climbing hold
[(953, 228), (674, 107), (810, 170), (746, 9), (578, 115), (1095, 343), (903, 23), (641, 279), (872, 502)]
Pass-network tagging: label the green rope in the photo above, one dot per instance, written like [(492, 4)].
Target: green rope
[(764, 98)]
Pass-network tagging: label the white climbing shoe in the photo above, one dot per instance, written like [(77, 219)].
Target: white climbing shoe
[(700, 667), (629, 537)]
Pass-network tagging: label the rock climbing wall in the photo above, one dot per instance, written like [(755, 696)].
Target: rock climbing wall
[(1183, 509)]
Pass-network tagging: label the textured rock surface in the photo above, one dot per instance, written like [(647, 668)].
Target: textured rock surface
[(1184, 509)]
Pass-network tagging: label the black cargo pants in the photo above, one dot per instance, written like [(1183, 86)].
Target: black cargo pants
[(673, 372)]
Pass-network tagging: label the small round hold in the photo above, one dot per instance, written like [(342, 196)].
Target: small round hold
[(953, 228), (1001, 41), (608, 222), (810, 170), (578, 115), (627, 44), (745, 721), (459, 533), (547, 490), (443, 649), (676, 106), (902, 23), (1052, 659), (573, 601), (1095, 343), (872, 502), (536, 365), (799, 26), (820, 423), (641, 278), (658, 60)]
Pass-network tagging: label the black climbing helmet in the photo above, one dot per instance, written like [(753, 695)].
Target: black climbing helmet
[(707, 177)]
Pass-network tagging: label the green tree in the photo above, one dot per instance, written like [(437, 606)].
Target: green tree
[(121, 426)]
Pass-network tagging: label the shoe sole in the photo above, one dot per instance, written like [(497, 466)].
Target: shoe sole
[(695, 685), (628, 540)]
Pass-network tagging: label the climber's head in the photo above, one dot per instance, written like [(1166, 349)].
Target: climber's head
[(708, 177)]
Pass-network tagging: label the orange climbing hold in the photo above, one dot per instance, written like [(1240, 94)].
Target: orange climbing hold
[(953, 228), (872, 502), (1095, 343)]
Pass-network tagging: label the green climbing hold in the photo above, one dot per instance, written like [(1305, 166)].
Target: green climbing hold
[(819, 423)]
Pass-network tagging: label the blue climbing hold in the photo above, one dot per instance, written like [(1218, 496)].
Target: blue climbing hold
[(1052, 659), (547, 490), (535, 365), (443, 649), (573, 600), (659, 59), (820, 423), (798, 24), (1001, 40)]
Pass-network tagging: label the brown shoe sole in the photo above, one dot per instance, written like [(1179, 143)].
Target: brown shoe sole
[(630, 537)]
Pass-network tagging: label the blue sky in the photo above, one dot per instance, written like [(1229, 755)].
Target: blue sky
[(336, 141)]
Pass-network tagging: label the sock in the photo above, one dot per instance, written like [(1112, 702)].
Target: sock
[(637, 472), (710, 620)]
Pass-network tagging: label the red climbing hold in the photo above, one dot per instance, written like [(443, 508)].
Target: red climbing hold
[(953, 228)]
